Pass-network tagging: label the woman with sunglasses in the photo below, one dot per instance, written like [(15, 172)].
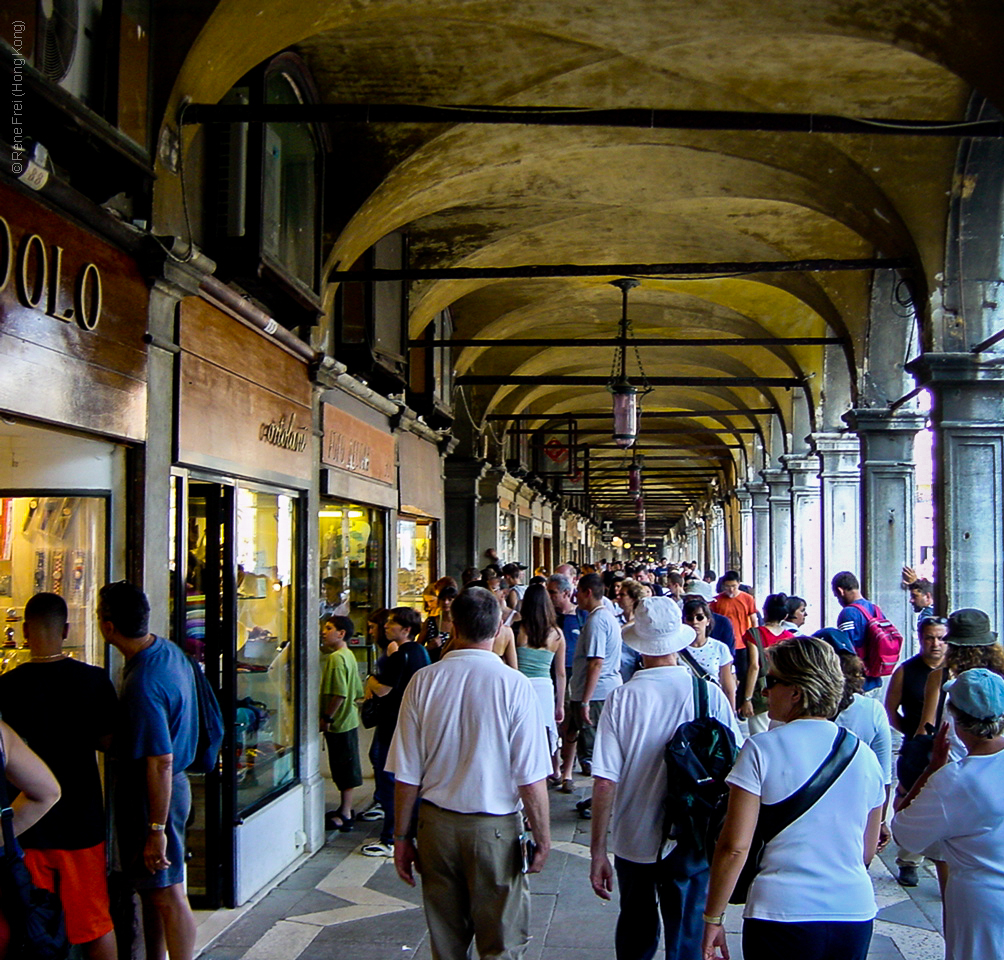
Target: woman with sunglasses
[(812, 897), (711, 655)]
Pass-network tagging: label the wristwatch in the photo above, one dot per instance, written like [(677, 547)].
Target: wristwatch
[(156, 827)]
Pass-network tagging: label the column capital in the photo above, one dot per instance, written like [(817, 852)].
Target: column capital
[(935, 369), (743, 495), (883, 420)]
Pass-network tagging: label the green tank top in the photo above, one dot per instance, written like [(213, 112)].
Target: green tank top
[(534, 661)]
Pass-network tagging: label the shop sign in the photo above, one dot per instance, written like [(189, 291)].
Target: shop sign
[(34, 269), (284, 434), (73, 311), (357, 447)]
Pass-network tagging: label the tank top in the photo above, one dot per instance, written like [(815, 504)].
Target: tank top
[(915, 674), (534, 661)]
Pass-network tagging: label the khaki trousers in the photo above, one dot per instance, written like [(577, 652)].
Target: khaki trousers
[(472, 886)]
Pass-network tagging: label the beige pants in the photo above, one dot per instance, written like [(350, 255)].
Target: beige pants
[(472, 887)]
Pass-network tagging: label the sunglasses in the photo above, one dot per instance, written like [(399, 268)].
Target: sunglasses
[(696, 616), (941, 621), (771, 681)]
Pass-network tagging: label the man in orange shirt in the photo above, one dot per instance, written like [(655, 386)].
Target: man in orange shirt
[(740, 608)]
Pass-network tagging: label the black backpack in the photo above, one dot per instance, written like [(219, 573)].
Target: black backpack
[(698, 759)]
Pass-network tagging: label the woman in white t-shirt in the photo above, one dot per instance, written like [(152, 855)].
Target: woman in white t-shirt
[(812, 897), (960, 807), (713, 656)]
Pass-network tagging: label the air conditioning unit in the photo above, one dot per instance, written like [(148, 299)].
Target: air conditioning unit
[(66, 45)]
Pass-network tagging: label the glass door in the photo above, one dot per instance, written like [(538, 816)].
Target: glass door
[(234, 605)]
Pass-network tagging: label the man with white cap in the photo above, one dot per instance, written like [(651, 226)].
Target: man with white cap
[(629, 773)]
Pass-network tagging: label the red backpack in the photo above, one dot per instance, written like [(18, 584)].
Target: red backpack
[(882, 643)]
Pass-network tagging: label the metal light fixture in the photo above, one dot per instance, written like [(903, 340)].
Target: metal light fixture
[(634, 475), (625, 393)]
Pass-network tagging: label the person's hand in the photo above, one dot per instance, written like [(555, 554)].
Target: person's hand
[(714, 938), (323, 725), (584, 713), (601, 876), (746, 709), (405, 860), (884, 837), (939, 752), (559, 714), (540, 854), (909, 576), (155, 851)]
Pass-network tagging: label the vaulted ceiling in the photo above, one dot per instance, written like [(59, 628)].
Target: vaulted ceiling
[(489, 195)]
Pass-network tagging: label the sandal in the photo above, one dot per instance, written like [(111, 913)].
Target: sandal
[(567, 786), (333, 821), (347, 824)]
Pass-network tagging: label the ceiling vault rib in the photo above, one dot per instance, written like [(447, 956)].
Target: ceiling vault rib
[(572, 380), (549, 270), (637, 341), (551, 116), (649, 414)]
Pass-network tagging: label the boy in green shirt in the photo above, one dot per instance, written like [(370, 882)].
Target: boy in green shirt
[(340, 689)]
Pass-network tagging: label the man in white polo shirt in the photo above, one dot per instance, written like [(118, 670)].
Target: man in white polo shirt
[(629, 768), (470, 744)]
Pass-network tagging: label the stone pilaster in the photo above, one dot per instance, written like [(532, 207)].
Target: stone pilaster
[(778, 482), (806, 554)]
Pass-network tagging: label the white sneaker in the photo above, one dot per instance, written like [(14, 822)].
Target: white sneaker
[(377, 849), (374, 813)]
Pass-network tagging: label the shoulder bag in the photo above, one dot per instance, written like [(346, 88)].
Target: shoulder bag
[(37, 928), (775, 817), (698, 671)]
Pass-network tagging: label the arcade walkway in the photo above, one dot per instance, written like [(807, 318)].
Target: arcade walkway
[(341, 904)]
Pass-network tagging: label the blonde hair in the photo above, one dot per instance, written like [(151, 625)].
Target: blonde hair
[(811, 665)]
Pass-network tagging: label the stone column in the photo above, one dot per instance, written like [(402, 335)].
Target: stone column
[(744, 548), (761, 540), (840, 495), (778, 482), (968, 420), (460, 522), (806, 555), (888, 494)]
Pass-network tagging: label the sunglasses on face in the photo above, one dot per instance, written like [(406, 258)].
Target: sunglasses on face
[(772, 681), (696, 616)]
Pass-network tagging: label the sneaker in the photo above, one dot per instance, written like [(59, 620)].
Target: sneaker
[(907, 875), (374, 813), (586, 767), (377, 849)]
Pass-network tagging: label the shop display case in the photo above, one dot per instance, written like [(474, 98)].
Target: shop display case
[(352, 564), (416, 564), (54, 543)]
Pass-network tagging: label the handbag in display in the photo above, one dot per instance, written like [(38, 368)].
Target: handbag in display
[(775, 817), (35, 916)]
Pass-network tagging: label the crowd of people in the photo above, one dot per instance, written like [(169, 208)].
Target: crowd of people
[(498, 689)]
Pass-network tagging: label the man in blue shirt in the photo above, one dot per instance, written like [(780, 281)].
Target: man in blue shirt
[(155, 743), (570, 621), (851, 620)]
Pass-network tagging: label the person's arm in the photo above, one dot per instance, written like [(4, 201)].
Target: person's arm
[(909, 576), (730, 856), (749, 685), (601, 873), (509, 654), (560, 679), (893, 699), (872, 831), (27, 772), (405, 798), (594, 666), (536, 808), (159, 771), (932, 694), (331, 706), (939, 757), (728, 681)]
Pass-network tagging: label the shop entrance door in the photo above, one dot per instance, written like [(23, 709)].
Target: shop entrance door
[(206, 621)]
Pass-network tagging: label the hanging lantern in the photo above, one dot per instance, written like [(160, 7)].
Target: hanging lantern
[(625, 394)]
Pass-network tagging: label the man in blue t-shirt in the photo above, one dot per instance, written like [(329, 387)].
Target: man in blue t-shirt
[(154, 743), (851, 619)]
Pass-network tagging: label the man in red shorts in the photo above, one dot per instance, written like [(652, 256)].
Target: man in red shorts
[(64, 710)]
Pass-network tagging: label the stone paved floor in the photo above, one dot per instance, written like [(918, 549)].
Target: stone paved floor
[(339, 903)]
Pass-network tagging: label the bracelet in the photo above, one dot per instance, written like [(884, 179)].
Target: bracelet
[(747, 699), (715, 921), (402, 836), (156, 827)]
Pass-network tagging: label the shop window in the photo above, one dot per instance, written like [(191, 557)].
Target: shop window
[(507, 537), (264, 194), (352, 539), (371, 318), (416, 559), (265, 721), (53, 543)]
